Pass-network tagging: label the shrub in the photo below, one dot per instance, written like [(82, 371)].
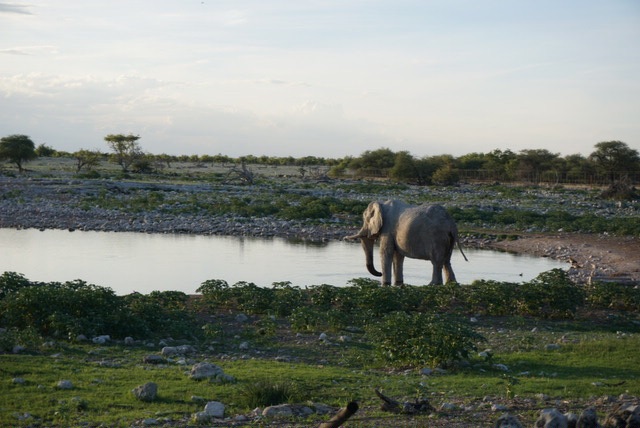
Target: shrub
[(607, 295), (550, 295), (10, 282), (418, 339), (269, 393)]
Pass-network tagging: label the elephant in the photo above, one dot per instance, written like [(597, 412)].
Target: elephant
[(426, 232)]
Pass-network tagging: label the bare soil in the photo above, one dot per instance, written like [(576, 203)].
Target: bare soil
[(599, 257)]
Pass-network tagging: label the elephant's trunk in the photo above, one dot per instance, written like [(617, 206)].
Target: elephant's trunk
[(367, 245)]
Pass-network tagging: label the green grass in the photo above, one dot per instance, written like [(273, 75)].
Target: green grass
[(102, 393)]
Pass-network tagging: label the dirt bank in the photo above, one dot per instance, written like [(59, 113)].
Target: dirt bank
[(598, 257)]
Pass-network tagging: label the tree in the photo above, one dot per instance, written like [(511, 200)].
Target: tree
[(87, 159), (17, 149), (45, 151), (615, 158), (126, 149), (532, 163)]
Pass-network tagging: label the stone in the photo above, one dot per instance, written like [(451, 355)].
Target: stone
[(242, 318), (129, 341), (101, 340), (508, 421), (214, 409), (18, 380), (205, 371), (64, 384), (168, 351), (281, 410), (551, 418), (153, 359), (147, 392)]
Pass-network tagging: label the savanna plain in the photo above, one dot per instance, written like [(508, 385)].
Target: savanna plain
[(462, 354)]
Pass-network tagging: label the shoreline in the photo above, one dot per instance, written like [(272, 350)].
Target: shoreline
[(55, 203)]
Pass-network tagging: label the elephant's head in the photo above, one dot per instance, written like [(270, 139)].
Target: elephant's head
[(372, 224)]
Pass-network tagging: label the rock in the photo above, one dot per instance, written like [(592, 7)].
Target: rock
[(426, 371), (244, 346), (215, 409), (281, 410), (18, 349), (150, 422), (64, 384), (624, 416), (508, 421), (18, 380), (153, 359), (129, 341), (147, 392), (168, 351), (101, 340), (501, 367), (499, 408), (185, 349), (588, 419), (323, 337), (551, 418), (242, 318), (205, 371), (212, 410)]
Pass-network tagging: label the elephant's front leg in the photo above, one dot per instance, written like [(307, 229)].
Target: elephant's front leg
[(398, 264), (436, 276), (386, 260)]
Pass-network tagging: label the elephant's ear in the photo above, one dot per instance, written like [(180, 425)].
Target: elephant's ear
[(373, 219)]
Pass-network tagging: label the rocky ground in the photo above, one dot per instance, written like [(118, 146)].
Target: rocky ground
[(44, 203)]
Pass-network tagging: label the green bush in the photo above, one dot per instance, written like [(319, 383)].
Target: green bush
[(12, 281), (608, 295), (417, 339), (65, 310), (269, 393), (550, 295)]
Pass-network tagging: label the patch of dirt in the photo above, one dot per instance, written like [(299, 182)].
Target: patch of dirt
[(590, 257)]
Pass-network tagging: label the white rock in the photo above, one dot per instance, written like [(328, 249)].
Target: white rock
[(214, 409), (65, 384), (280, 410)]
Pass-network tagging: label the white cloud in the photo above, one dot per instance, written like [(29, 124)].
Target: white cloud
[(322, 78)]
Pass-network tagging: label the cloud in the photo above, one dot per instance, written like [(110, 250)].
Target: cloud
[(30, 50), (15, 8)]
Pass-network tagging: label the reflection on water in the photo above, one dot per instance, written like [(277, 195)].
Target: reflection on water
[(129, 262)]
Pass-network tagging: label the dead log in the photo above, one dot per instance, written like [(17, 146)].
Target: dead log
[(341, 417), (391, 405)]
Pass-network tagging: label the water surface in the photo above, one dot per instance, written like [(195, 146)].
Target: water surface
[(128, 262)]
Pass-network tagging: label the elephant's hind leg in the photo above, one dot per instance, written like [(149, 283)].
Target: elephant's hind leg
[(448, 273)]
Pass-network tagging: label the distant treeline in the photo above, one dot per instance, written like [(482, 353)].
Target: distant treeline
[(611, 161)]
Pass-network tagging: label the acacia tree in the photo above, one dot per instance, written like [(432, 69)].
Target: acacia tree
[(17, 149), (126, 149), (87, 159), (615, 157)]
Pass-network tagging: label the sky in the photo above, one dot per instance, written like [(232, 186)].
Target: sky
[(326, 78)]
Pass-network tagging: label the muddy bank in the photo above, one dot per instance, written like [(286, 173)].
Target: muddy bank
[(588, 257)]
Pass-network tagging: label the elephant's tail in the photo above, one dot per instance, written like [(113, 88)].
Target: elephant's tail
[(455, 240), (462, 252)]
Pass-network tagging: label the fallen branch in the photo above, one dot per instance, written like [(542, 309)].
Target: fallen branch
[(341, 417), (391, 405)]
